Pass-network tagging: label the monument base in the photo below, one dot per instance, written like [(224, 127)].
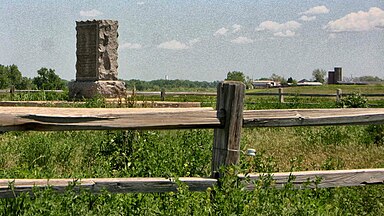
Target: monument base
[(90, 89)]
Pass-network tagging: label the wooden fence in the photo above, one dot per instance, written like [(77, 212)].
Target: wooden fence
[(279, 93), (227, 121), (13, 90)]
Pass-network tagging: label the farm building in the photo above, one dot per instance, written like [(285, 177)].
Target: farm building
[(309, 83), (265, 83)]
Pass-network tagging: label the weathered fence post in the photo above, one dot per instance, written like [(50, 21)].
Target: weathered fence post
[(12, 90), (339, 94), (281, 96), (226, 144), (134, 91), (162, 95)]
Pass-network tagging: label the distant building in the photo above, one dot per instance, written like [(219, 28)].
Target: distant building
[(265, 84), (309, 83), (336, 76), (303, 81)]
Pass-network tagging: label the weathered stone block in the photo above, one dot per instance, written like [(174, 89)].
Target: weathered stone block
[(96, 65), (96, 50), (88, 89)]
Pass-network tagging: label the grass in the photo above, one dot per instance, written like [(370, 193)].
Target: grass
[(176, 153)]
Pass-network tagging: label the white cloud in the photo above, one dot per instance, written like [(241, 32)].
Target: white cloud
[(307, 18), (236, 28), (194, 41), (287, 33), (221, 31), (280, 29), (242, 40), (131, 46), (358, 21), (173, 45), (276, 27), (90, 13), (316, 10), (140, 3)]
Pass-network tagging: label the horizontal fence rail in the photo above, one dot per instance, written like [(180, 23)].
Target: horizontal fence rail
[(4, 91), (12, 187), (158, 93), (49, 118), (59, 119), (321, 178), (299, 180)]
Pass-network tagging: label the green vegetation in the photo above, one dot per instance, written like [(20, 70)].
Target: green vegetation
[(236, 76), (11, 76), (47, 79), (319, 75), (188, 153)]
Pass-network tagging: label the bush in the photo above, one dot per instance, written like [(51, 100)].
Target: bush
[(375, 134), (355, 100)]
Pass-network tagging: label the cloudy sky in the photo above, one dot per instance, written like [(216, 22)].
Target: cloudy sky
[(201, 40)]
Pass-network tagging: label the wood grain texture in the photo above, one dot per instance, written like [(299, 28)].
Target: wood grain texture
[(312, 117), (226, 141), (46, 118), (324, 179), (12, 187)]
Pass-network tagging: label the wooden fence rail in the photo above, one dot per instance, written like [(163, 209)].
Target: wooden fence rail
[(227, 121), (280, 94)]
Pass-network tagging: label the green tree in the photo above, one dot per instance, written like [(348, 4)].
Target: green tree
[(11, 76), (319, 75), (368, 79), (278, 78), (47, 79), (291, 81), (236, 76)]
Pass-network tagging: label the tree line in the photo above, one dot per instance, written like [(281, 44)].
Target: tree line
[(46, 79)]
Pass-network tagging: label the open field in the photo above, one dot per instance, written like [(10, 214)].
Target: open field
[(175, 153)]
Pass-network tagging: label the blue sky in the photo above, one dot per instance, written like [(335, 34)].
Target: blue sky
[(201, 40)]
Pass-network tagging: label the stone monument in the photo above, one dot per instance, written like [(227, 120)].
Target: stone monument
[(96, 65)]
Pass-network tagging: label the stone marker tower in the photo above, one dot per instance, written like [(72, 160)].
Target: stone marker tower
[(96, 66)]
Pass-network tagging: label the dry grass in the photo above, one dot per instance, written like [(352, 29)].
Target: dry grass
[(311, 149)]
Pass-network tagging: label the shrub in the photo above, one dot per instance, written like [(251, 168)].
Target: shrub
[(354, 100)]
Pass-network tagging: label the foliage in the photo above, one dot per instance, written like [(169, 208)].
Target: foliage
[(319, 75), (375, 134), (354, 100), (368, 79), (278, 78), (292, 81), (11, 76), (236, 76), (47, 79)]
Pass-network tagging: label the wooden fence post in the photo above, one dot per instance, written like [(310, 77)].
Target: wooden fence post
[(281, 96), (162, 95), (338, 95), (226, 144), (12, 90)]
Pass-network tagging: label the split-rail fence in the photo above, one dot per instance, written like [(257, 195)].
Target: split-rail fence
[(227, 120)]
